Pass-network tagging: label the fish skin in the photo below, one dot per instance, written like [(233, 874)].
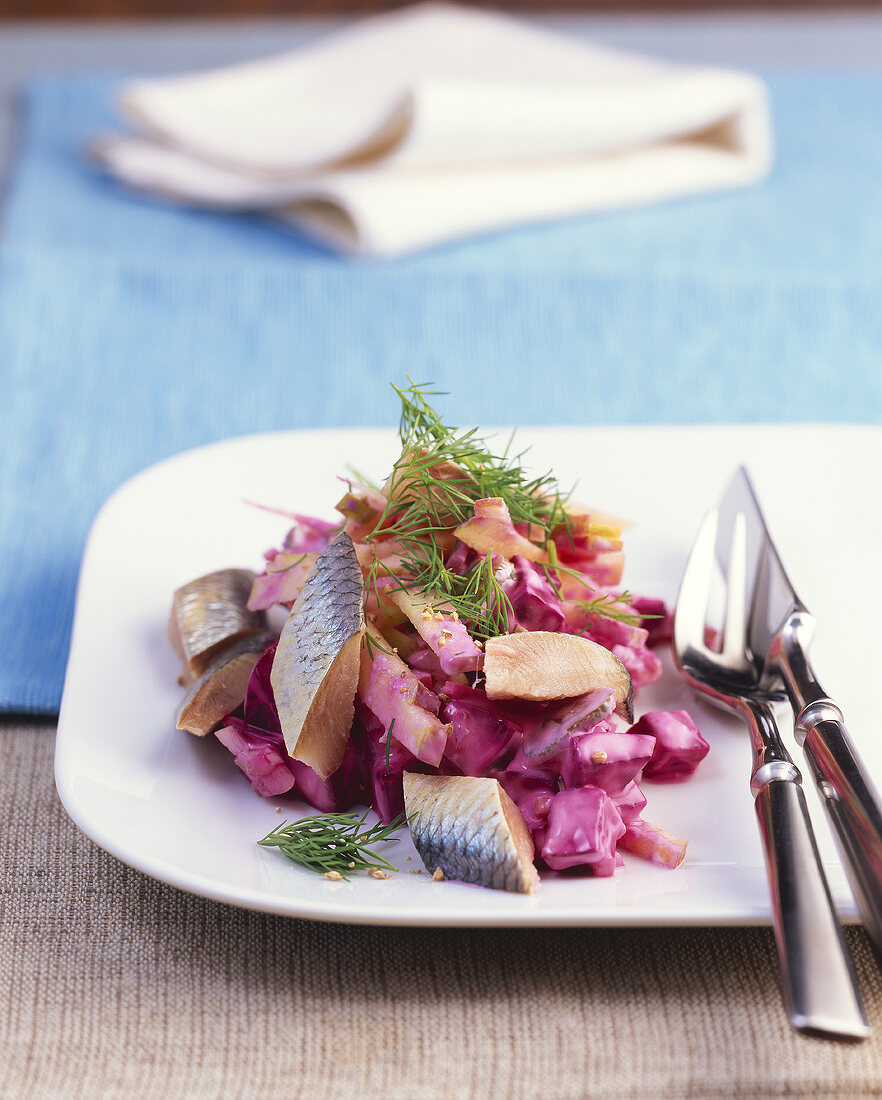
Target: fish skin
[(328, 613), (221, 688), (471, 829), (210, 613)]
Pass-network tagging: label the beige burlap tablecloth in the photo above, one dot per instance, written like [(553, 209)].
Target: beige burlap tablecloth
[(114, 985)]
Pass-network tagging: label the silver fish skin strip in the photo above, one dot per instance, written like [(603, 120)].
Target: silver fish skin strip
[(464, 832), (328, 611), (211, 609), (252, 645)]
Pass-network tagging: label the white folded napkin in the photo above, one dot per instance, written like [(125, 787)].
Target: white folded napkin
[(435, 122)]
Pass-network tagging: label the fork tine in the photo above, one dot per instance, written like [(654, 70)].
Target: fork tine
[(691, 614), (734, 627)]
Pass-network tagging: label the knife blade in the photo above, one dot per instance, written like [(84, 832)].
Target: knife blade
[(780, 629), (772, 598)]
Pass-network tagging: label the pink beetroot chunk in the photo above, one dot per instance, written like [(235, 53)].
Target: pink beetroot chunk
[(532, 795), (535, 604), (478, 737), (644, 666), (658, 620), (679, 747), (630, 803), (259, 759), (583, 827), (602, 758)]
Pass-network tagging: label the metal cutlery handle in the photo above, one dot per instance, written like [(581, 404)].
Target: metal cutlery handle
[(847, 793), (818, 982), (852, 804)]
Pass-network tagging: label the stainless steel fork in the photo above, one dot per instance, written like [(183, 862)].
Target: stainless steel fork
[(818, 982)]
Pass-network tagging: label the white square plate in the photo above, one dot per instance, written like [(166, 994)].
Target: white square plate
[(177, 808)]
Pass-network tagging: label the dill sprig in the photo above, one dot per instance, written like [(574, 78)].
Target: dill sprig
[(433, 487), (333, 842), (444, 500), (607, 606), (389, 743), (477, 596)]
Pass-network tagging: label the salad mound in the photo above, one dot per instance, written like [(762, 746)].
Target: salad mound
[(480, 631)]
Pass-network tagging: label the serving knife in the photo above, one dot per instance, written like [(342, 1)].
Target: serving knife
[(780, 629)]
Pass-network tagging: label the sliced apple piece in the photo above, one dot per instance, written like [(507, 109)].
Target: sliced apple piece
[(316, 666), (282, 581), (440, 628), (581, 516), (491, 531), (405, 706), (402, 644), (539, 666)]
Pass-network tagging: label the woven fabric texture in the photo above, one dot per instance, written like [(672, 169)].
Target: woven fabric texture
[(114, 985)]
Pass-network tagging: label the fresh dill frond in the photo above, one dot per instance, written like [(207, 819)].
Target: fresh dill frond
[(477, 596), (444, 498), (608, 606), (333, 842), (433, 487)]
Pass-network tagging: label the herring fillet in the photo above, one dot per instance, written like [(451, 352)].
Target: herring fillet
[(316, 666), (541, 665), (209, 613), (221, 688), (469, 828)]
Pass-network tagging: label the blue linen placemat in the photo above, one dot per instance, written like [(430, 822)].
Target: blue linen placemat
[(130, 330)]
